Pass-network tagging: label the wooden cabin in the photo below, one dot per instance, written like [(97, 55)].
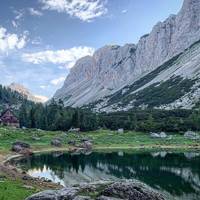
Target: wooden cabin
[(8, 118)]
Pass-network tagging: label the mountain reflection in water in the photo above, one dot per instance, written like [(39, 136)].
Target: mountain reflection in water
[(176, 174)]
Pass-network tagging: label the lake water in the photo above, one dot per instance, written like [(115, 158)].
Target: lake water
[(175, 174)]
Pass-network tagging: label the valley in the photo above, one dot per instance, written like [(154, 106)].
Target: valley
[(83, 118)]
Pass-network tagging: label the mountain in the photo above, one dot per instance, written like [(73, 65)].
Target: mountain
[(161, 71), (26, 93), (9, 98)]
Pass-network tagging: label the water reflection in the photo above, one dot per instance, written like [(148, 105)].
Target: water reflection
[(174, 174)]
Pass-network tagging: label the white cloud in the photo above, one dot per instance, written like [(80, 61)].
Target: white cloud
[(19, 14), (58, 81), (35, 12), (86, 10), (37, 41), (14, 23), (10, 41), (67, 56)]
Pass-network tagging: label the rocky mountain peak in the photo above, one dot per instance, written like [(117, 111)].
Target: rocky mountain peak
[(113, 67), (26, 93)]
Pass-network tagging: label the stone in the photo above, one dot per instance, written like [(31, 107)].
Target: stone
[(57, 142), (27, 178), (20, 147), (75, 130), (154, 135), (131, 191), (124, 190), (120, 130), (22, 144), (162, 135), (192, 135), (86, 145), (63, 194)]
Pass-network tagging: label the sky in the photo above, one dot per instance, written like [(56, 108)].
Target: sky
[(40, 40)]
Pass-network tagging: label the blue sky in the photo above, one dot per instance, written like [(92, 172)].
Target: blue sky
[(40, 40)]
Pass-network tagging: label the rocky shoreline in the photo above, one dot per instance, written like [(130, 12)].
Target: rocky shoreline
[(126, 189), (123, 190), (97, 191)]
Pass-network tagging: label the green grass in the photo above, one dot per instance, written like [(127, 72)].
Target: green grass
[(13, 190), (105, 140), (101, 139)]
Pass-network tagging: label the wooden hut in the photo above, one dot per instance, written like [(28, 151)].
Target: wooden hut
[(8, 118)]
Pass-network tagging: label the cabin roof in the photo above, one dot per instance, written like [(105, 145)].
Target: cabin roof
[(11, 119)]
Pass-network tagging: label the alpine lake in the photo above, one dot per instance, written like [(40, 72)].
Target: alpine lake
[(177, 175)]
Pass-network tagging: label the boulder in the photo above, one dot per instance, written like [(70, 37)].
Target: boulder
[(86, 145), (154, 135), (192, 135), (126, 190), (74, 130), (64, 194), (120, 130), (57, 142), (158, 135), (163, 135), (131, 191), (20, 146)]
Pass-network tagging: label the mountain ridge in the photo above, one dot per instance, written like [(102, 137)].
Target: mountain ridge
[(26, 93), (112, 68)]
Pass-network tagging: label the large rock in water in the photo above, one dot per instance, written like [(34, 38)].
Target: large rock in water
[(113, 67), (112, 191), (131, 191)]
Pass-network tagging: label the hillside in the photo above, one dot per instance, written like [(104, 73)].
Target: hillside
[(161, 71), (175, 84)]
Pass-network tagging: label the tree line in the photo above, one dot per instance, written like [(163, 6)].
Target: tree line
[(55, 116)]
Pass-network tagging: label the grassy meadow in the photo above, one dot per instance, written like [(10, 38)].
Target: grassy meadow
[(102, 139)]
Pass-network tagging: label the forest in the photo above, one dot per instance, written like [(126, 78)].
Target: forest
[(54, 116)]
